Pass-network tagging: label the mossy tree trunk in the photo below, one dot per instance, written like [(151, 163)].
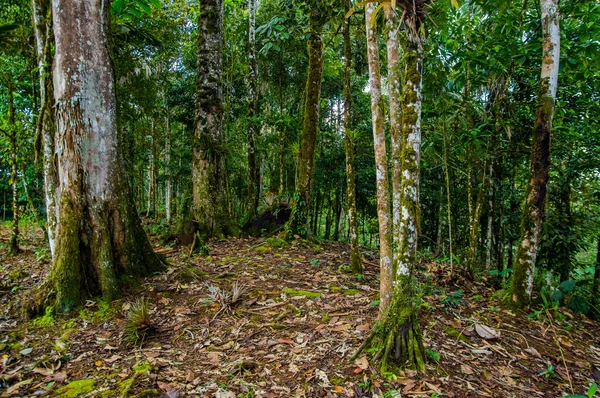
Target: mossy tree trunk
[(394, 92), (99, 235), (397, 336), (355, 261), (298, 223), (383, 196), (42, 23), (168, 177), (533, 209), (253, 167), (208, 162)]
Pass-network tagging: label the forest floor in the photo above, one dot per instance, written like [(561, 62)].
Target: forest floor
[(291, 334)]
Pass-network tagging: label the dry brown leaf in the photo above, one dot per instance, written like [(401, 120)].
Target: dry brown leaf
[(533, 352), (486, 332), (362, 362)]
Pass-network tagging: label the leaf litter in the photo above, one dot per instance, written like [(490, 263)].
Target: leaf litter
[(282, 322)]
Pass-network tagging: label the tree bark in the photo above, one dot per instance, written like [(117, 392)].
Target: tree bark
[(42, 23), (208, 165), (253, 168), (394, 93), (383, 196), (298, 223), (533, 209), (596, 283), (355, 261), (99, 235), (14, 236), (168, 178)]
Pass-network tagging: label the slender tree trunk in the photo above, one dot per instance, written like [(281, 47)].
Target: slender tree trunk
[(394, 93), (298, 223), (448, 195), (355, 261), (439, 240), (338, 213), (474, 228), (42, 23), (14, 237), (383, 197), (490, 221), (99, 235), (168, 178), (596, 283), (533, 209), (208, 164), (253, 169)]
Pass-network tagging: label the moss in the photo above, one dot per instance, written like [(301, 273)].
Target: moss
[(75, 388), (305, 293), (17, 274), (226, 275), (148, 394), (351, 292), (335, 289), (263, 249), (325, 318), (191, 274), (142, 367), (16, 346), (47, 320)]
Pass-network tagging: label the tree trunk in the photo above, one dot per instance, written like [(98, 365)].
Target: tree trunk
[(448, 195), (383, 196), (533, 209), (168, 178), (355, 261), (253, 169), (475, 221), (14, 236), (42, 22), (99, 236), (394, 93), (490, 221), (208, 165), (298, 223), (596, 283)]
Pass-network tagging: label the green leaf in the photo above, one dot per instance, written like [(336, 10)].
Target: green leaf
[(454, 3)]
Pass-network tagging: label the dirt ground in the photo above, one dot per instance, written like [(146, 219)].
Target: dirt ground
[(300, 317)]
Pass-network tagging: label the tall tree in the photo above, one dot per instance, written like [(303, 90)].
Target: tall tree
[(99, 234), (394, 91), (253, 169), (533, 209), (42, 23), (355, 261), (383, 195), (12, 136), (208, 168), (398, 336), (298, 223)]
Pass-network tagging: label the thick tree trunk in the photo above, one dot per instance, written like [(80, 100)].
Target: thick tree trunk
[(394, 93), (383, 196), (355, 261), (42, 23), (253, 168), (14, 236), (99, 236), (208, 164), (533, 209), (298, 223)]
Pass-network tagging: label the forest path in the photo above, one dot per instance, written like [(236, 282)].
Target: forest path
[(299, 319)]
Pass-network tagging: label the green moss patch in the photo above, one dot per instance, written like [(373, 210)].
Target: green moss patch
[(75, 388), (305, 293)]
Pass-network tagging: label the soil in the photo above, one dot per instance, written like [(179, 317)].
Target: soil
[(299, 317)]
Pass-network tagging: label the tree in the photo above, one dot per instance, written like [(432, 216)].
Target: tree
[(383, 196), (533, 209), (99, 235), (355, 261), (298, 223), (42, 22), (397, 335), (208, 168), (253, 167)]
